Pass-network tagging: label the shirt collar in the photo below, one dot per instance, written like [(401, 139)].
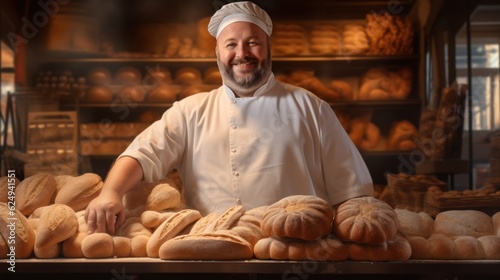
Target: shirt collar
[(259, 92)]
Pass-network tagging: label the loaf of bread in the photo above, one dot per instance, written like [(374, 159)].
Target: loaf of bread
[(212, 76), (131, 94), (79, 191), (200, 225), (98, 245), (72, 247), (496, 223), (249, 228), (298, 216), (138, 195), (402, 135), (220, 245), (24, 234), (188, 76), (34, 192), (157, 76), (397, 249), (463, 222), (98, 94), (121, 246), (170, 228), (128, 76), (162, 93), (163, 196), (226, 219), (153, 219), (365, 220), (132, 227), (138, 246), (415, 224), (4, 187), (491, 246), (436, 247), (57, 223), (99, 76), (323, 249)]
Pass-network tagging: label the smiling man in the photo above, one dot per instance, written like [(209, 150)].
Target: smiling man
[(252, 141)]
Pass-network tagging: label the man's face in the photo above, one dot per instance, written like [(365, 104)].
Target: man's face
[(243, 56)]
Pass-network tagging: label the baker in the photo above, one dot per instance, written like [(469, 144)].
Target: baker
[(252, 141)]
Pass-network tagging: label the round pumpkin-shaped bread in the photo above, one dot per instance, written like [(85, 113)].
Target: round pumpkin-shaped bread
[(365, 220), (299, 216)]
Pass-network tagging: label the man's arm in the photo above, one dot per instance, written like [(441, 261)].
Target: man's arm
[(106, 212)]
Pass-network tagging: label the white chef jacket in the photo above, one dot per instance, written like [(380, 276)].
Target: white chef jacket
[(252, 151)]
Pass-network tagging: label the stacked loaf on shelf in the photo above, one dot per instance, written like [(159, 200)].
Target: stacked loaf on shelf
[(158, 225)]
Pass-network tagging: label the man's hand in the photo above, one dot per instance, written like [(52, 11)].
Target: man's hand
[(105, 213)]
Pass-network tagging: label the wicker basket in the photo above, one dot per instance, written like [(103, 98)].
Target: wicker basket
[(409, 191)]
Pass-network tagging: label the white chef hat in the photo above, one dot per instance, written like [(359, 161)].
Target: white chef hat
[(239, 11)]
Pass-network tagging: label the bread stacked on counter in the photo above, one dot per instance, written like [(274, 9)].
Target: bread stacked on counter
[(50, 224)]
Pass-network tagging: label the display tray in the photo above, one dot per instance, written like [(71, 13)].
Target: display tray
[(153, 265)]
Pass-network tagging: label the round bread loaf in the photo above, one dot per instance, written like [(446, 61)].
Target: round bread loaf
[(56, 224), (34, 192), (132, 227), (170, 228), (98, 94), (188, 76), (298, 216), (98, 245), (153, 219), (99, 76), (249, 228), (491, 246), (131, 94), (415, 224), (463, 222), (72, 247), (162, 93), (128, 76), (436, 247), (163, 196), (121, 246), (221, 245), (365, 220), (79, 191), (323, 249), (24, 233), (157, 76), (138, 246)]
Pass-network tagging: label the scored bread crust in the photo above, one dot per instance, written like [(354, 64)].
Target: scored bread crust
[(227, 219), (79, 191), (365, 220), (220, 245), (298, 216), (34, 192), (25, 235), (203, 223), (170, 228)]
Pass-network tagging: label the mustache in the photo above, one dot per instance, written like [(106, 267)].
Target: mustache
[(243, 60)]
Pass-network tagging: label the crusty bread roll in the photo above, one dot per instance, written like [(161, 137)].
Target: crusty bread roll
[(138, 246), (468, 248), (496, 223), (157, 76), (61, 180), (131, 94), (463, 222), (128, 76), (299, 216), (99, 76), (162, 93), (203, 223), (365, 220), (170, 228), (163, 196), (491, 246), (153, 219), (226, 219), (322, 249), (34, 192), (98, 245), (121, 246), (24, 234), (188, 76), (397, 249), (56, 224), (5, 182), (220, 245), (79, 191), (98, 94), (415, 224), (138, 195)]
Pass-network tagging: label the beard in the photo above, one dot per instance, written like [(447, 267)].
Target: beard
[(250, 81)]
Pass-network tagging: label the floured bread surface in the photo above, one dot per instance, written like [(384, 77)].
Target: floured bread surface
[(226, 219), (299, 216), (78, 191), (464, 222), (34, 192), (365, 220), (220, 245), (24, 233)]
